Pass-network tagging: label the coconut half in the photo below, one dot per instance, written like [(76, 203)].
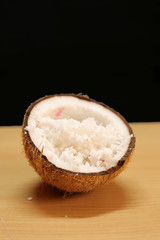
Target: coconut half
[(76, 143)]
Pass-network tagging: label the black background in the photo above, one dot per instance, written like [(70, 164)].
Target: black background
[(108, 50)]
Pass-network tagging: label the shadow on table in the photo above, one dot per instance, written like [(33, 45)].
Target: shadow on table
[(56, 203)]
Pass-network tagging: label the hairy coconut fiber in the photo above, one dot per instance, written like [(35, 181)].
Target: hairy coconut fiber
[(64, 179)]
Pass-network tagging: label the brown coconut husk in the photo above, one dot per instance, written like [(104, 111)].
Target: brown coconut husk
[(64, 179)]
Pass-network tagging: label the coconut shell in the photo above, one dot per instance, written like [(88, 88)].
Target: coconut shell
[(64, 179)]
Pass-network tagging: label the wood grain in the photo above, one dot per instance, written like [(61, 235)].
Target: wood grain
[(127, 208)]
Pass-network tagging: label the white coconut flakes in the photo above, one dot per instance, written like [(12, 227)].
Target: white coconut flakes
[(79, 146)]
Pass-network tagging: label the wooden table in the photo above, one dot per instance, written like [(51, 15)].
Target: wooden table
[(127, 208)]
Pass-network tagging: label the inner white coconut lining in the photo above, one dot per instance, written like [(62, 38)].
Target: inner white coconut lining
[(78, 135)]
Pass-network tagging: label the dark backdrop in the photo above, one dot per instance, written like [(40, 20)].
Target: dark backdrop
[(107, 49)]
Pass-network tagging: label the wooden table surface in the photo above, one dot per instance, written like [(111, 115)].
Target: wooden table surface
[(127, 208)]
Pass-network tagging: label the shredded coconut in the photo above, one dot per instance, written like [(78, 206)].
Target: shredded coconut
[(29, 198), (79, 146)]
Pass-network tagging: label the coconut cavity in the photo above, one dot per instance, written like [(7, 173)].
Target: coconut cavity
[(77, 134)]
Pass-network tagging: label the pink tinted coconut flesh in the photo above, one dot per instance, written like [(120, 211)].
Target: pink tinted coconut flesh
[(58, 112)]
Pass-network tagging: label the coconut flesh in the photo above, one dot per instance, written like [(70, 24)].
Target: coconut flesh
[(78, 135)]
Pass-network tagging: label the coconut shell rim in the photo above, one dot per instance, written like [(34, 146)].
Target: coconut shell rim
[(119, 164)]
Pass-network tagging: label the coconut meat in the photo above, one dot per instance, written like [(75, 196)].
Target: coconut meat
[(78, 135)]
